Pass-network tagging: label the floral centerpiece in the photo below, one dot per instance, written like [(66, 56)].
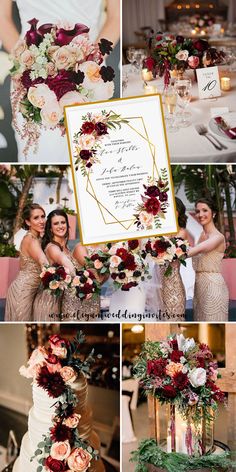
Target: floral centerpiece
[(55, 369), (154, 204), (202, 21), (182, 374), (164, 250), (55, 278), (168, 52), (55, 66), (127, 267)]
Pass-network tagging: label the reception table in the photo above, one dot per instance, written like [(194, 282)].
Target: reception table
[(186, 145)]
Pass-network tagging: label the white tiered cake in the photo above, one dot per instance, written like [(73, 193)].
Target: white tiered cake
[(39, 422)]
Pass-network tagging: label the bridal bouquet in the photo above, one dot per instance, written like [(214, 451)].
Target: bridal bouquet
[(85, 285), (181, 372), (55, 369), (154, 204), (55, 278), (169, 52), (127, 267), (55, 66), (164, 250)]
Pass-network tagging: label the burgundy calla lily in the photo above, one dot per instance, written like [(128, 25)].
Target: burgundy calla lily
[(46, 28), (33, 36), (64, 37)]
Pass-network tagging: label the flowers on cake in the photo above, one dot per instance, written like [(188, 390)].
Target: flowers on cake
[(127, 267), (54, 66), (87, 141), (55, 278), (85, 284), (182, 372), (154, 203), (165, 250), (61, 449), (168, 52)]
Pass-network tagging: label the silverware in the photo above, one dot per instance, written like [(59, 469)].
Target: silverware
[(203, 131)]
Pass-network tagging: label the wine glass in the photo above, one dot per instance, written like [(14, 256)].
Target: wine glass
[(171, 97), (140, 55), (130, 54), (183, 89)]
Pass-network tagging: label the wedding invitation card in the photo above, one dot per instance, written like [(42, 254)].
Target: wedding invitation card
[(121, 171)]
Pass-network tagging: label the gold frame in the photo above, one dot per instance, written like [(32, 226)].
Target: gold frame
[(158, 96)]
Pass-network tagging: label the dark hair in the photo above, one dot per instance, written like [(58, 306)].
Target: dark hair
[(48, 236), (181, 209), (27, 212), (211, 204)]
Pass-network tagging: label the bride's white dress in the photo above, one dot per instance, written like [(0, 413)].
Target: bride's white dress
[(52, 146)]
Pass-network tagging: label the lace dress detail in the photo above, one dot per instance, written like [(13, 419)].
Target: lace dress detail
[(211, 296), (22, 291), (73, 309), (46, 307), (173, 295)]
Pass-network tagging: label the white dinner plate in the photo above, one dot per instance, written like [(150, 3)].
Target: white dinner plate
[(230, 119)]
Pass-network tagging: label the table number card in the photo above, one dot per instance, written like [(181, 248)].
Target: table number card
[(208, 82), (121, 171)]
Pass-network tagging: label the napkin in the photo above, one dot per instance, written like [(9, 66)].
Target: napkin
[(230, 132)]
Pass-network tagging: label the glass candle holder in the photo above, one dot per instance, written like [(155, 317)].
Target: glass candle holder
[(225, 84)]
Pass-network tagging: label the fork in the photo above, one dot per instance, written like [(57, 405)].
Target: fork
[(203, 131)]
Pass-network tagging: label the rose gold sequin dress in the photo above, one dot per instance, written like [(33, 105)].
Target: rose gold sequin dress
[(22, 291), (211, 296), (173, 295), (47, 306), (73, 309)]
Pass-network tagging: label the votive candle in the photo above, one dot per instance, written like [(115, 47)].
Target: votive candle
[(147, 75), (225, 83)]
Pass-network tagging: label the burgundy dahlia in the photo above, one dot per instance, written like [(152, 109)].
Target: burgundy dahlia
[(168, 391), (54, 465), (122, 253), (176, 355), (129, 262), (60, 432), (163, 197), (152, 191), (61, 84), (161, 246), (87, 127), (174, 344), (52, 382), (85, 154), (101, 128), (152, 205), (133, 244), (180, 380), (201, 45), (157, 367)]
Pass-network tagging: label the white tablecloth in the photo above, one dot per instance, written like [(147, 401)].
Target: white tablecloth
[(185, 145)]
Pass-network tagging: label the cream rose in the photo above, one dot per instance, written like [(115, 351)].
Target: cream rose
[(115, 261), (68, 374), (76, 281), (72, 421), (40, 94), (54, 284), (65, 57), (51, 114), (86, 141), (79, 460), (197, 377), (51, 69), (91, 72), (51, 270), (19, 48), (68, 279), (103, 90), (146, 218), (60, 450), (71, 98), (98, 264), (182, 55), (27, 58)]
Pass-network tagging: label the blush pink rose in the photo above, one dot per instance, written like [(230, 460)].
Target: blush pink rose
[(98, 264), (68, 374), (193, 61), (40, 94), (178, 252), (91, 72), (60, 450), (79, 460), (27, 58), (182, 55), (115, 261), (72, 421), (72, 98), (51, 114), (19, 48), (76, 281), (146, 218), (65, 57), (86, 141)]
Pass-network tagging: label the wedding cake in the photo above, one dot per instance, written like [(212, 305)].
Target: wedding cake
[(60, 435)]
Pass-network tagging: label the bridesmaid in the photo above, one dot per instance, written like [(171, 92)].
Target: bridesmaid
[(46, 305), (211, 297), (72, 307), (173, 291), (22, 291)]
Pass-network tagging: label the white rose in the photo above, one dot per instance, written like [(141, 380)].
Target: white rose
[(197, 377), (71, 98), (182, 55), (103, 90), (40, 94), (115, 261)]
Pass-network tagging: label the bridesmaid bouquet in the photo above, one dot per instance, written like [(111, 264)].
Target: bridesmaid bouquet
[(55, 278), (100, 261), (85, 285), (164, 251), (55, 66), (126, 265)]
